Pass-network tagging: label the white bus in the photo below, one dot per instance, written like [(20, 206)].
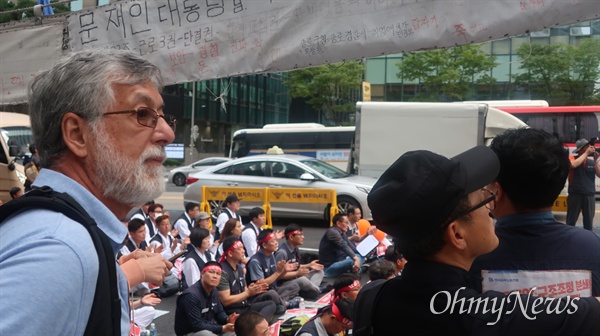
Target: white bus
[(329, 144)]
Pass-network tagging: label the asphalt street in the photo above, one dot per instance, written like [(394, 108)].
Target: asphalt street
[(172, 199)]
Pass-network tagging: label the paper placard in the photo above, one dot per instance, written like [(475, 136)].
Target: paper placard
[(367, 245)]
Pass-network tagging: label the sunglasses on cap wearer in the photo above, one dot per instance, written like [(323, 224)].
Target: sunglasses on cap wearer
[(147, 117)]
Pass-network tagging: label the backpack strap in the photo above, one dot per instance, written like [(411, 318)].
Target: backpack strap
[(105, 316), (366, 302)]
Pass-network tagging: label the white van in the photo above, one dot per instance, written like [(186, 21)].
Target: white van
[(15, 129)]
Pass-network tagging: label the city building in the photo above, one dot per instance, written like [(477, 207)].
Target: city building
[(382, 71)]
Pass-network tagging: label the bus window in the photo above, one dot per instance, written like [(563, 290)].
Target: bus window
[(330, 144)]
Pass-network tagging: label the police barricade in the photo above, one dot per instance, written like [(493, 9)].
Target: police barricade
[(269, 195), (560, 205), (304, 195), (218, 194)]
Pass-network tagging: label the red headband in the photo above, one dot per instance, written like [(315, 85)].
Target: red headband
[(338, 315), (231, 248), (267, 238), (212, 268), (293, 233), (348, 288)]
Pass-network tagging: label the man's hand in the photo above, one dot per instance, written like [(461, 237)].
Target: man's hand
[(156, 268), (291, 266), (228, 327), (279, 234), (231, 319), (303, 270), (314, 265), (371, 230), (256, 288), (356, 265), (174, 232), (281, 267), (150, 300), (355, 237)]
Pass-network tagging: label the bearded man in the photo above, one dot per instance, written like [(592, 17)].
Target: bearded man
[(97, 118)]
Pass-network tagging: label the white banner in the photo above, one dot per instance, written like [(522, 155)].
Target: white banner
[(23, 53), (203, 39), (560, 283)]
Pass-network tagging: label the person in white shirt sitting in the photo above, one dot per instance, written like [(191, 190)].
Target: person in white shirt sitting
[(165, 237), (198, 255)]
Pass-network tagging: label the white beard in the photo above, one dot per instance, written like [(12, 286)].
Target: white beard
[(126, 181)]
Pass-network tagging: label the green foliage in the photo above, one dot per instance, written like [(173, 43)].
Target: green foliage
[(60, 8), (561, 74), (7, 6), (328, 88), (447, 74), (171, 162)]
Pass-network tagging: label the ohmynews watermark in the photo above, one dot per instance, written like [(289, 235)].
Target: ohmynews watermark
[(496, 305)]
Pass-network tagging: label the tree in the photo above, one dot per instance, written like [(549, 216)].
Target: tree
[(7, 6), (559, 73), (447, 74), (328, 88)]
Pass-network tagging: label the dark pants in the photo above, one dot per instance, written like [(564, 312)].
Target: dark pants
[(584, 203)]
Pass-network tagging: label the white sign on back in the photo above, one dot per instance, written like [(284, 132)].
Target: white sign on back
[(559, 283), (204, 39)]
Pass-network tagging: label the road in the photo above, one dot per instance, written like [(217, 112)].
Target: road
[(172, 200)]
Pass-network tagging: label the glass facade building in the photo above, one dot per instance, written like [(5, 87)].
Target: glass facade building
[(382, 72), (222, 106)]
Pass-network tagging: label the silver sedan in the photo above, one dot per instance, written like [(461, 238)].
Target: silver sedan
[(283, 171), (179, 175)]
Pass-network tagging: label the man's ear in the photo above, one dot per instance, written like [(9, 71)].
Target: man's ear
[(75, 134), (455, 235), (498, 190)]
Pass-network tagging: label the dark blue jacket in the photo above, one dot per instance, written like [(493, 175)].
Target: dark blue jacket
[(197, 310), (536, 241)]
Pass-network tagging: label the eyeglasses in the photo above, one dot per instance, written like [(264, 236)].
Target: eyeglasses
[(489, 201), (147, 117)]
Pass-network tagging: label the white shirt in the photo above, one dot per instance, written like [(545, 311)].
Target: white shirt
[(223, 218), (249, 240), (190, 269), (182, 226), (166, 252), (139, 215)]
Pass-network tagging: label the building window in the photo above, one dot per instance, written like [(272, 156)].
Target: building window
[(543, 33), (581, 31)]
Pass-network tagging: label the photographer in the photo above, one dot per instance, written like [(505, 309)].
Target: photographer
[(582, 187)]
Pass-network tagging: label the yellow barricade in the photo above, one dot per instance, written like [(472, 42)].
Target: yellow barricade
[(244, 194), (560, 204), (304, 195), (269, 195)]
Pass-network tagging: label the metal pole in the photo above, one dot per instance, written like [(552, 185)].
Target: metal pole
[(192, 119)]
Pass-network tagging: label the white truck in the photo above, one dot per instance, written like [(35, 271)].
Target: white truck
[(386, 130)]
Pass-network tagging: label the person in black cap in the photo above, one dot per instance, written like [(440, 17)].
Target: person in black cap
[(438, 211), (582, 186), (232, 206)]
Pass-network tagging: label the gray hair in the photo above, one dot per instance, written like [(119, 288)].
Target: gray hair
[(81, 83)]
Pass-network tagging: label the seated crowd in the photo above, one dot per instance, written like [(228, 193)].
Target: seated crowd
[(244, 272)]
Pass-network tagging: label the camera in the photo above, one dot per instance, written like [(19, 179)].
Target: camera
[(593, 141)]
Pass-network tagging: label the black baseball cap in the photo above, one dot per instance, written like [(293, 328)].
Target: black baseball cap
[(419, 191)]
